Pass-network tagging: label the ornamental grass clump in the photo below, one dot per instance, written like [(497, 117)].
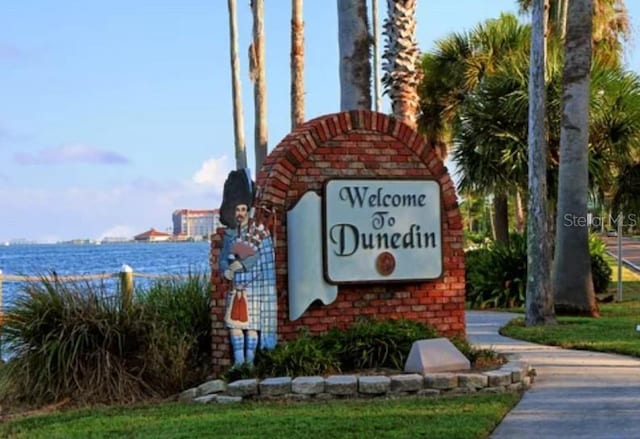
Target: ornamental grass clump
[(179, 349), (72, 340), (75, 340)]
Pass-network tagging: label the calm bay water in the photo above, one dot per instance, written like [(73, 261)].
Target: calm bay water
[(70, 259)]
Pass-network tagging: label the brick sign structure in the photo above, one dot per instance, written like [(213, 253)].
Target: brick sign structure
[(366, 147)]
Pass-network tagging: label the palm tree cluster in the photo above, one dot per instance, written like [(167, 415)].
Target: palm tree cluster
[(548, 116), (475, 96)]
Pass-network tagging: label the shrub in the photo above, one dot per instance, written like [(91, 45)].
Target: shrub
[(601, 273), (378, 343), (365, 345), (596, 245), (496, 276), (307, 355), (479, 358), (475, 239), (74, 340)]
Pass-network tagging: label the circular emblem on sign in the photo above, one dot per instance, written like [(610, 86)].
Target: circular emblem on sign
[(385, 263)]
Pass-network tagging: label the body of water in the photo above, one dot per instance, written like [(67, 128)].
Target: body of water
[(72, 259)]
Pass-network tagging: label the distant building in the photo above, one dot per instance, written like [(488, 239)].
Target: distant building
[(115, 239), (192, 223), (152, 235)]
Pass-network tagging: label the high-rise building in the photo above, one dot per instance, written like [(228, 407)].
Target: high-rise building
[(192, 223)]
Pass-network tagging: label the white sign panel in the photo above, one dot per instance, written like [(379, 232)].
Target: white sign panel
[(382, 230)]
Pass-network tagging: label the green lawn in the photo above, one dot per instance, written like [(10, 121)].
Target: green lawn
[(458, 417), (615, 331)]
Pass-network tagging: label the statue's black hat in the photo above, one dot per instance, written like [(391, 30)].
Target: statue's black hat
[(238, 189)]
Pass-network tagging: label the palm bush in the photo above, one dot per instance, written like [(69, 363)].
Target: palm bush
[(496, 276)]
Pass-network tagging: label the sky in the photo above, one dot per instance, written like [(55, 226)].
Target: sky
[(113, 114)]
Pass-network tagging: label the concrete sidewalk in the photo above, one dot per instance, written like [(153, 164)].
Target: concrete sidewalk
[(576, 394)]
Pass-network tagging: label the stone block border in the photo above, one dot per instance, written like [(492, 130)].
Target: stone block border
[(511, 377)]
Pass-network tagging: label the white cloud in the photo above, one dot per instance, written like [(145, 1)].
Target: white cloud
[(82, 211), (213, 173)]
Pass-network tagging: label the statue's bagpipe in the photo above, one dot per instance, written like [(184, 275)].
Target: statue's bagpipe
[(259, 226)]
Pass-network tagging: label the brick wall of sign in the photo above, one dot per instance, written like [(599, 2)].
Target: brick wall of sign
[(365, 145)]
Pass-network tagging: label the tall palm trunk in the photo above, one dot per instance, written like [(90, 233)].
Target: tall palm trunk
[(539, 298), (377, 104), (402, 69), (355, 67), (610, 26), (236, 91), (258, 75), (297, 64), (501, 217), (572, 283)]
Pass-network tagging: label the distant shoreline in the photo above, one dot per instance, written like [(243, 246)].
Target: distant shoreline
[(91, 242)]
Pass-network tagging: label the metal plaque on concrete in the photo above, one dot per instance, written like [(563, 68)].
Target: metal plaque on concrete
[(435, 355), (382, 230)]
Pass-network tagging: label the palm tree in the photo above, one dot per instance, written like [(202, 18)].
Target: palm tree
[(539, 297), (236, 91), (572, 282), (614, 143), (453, 72), (458, 65), (474, 214), (297, 64), (257, 63), (492, 130), (402, 70), (610, 26), (355, 66), (627, 193), (475, 94)]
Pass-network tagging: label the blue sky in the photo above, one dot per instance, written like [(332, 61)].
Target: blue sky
[(115, 113)]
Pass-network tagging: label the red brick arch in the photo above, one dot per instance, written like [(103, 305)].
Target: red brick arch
[(360, 144)]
